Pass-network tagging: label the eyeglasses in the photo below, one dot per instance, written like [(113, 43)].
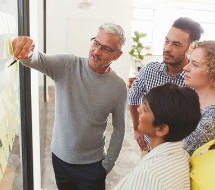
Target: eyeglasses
[(104, 48)]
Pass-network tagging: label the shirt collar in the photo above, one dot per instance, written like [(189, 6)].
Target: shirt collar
[(163, 68), (164, 149)]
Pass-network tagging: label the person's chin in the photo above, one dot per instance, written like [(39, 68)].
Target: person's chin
[(167, 61), (187, 83), (94, 64)]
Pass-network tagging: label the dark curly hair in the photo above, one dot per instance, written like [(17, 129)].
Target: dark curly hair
[(190, 26)]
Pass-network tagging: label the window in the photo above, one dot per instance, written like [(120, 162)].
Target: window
[(143, 21), (156, 17)]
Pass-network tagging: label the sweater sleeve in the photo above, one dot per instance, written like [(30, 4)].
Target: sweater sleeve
[(117, 136), (50, 65)]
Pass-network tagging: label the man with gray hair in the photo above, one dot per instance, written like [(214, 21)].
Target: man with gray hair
[(87, 91)]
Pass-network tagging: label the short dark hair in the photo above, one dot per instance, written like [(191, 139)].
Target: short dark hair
[(178, 107), (190, 26)]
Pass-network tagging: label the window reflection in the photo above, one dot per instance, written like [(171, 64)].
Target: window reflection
[(10, 150)]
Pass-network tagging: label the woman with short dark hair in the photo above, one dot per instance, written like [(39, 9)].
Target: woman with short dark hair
[(168, 114)]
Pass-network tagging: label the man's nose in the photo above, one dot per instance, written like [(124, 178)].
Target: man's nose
[(168, 47), (98, 48)]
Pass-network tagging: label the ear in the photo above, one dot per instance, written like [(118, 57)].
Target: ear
[(162, 130), (118, 54)]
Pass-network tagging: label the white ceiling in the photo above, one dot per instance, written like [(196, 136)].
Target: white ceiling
[(201, 4)]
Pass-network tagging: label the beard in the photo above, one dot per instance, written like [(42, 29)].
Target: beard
[(174, 64), (174, 61), (97, 61)]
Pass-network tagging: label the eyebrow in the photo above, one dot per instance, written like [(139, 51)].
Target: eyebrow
[(147, 106), (174, 42), (177, 42), (145, 103), (194, 61), (112, 49), (102, 44)]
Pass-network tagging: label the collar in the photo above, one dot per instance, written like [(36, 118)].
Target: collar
[(164, 149), (163, 68)]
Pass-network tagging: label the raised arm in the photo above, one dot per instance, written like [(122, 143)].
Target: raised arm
[(22, 47)]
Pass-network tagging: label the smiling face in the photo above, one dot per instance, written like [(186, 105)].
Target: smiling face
[(99, 59), (175, 47), (146, 118), (195, 76)]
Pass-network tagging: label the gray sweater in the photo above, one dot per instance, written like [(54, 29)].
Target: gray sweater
[(84, 100)]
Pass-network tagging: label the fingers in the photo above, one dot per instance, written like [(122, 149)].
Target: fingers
[(22, 47), (142, 144), (139, 136)]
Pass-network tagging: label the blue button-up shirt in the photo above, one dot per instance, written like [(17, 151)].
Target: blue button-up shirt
[(151, 75)]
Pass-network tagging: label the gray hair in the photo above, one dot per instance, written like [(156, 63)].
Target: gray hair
[(116, 30)]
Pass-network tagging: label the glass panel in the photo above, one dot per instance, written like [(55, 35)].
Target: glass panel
[(10, 150)]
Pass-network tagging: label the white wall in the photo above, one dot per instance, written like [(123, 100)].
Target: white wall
[(118, 11), (67, 24)]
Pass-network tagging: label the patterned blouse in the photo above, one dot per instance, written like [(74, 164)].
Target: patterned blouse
[(205, 131)]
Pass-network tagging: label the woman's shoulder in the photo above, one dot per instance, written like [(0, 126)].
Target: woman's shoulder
[(209, 110)]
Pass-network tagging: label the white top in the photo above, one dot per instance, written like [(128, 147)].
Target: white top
[(166, 167)]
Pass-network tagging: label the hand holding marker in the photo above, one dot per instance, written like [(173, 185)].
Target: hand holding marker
[(13, 62), (28, 48)]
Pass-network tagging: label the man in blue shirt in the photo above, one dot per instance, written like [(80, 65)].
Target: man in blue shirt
[(181, 35)]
